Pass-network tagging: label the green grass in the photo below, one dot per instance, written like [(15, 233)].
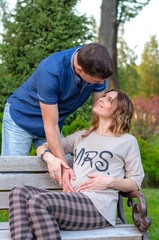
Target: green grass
[(3, 215), (152, 198)]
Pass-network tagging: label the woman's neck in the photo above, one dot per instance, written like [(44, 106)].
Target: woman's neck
[(104, 131)]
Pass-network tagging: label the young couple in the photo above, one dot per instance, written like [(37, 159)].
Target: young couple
[(106, 160)]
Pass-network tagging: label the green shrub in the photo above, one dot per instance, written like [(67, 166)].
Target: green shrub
[(150, 160), (77, 124), (146, 116)]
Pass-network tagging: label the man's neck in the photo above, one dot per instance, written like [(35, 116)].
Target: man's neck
[(75, 63)]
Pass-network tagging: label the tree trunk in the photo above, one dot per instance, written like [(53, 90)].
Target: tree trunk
[(108, 35)]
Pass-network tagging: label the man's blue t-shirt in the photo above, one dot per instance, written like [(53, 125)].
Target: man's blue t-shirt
[(53, 82)]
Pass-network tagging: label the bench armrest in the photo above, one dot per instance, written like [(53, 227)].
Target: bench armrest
[(137, 201)]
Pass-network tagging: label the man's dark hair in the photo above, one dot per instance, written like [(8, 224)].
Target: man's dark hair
[(95, 60)]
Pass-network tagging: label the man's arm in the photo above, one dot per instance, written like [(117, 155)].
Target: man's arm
[(50, 116)]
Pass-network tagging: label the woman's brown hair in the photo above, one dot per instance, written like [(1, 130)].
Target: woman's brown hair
[(121, 118)]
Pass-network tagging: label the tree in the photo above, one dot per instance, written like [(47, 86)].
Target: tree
[(35, 29), (149, 68), (113, 13)]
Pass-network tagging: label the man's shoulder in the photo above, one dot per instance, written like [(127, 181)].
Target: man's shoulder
[(58, 59), (66, 51)]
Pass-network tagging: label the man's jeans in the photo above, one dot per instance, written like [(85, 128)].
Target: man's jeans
[(15, 140)]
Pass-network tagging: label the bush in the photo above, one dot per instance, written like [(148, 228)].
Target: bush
[(150, 161), (77, 124), (146, 117), (80, 119)]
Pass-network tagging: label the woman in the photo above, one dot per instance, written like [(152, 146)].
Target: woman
[(106, 161)]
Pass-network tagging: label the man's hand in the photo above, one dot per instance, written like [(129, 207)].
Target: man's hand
[(68, 174), (55, 168)]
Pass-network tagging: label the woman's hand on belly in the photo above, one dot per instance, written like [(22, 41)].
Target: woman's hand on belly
[(95, 182)]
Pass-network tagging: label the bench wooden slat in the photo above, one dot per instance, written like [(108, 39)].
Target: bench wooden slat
[(22, 164), (4, 200), (8, 181), (120, 232)]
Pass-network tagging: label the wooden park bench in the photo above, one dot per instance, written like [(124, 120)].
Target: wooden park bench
[(18, 171)]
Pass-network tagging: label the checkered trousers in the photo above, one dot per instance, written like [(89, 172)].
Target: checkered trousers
[(40, 214)]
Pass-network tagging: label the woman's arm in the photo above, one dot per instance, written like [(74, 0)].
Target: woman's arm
[(123, 185), (101, 182)]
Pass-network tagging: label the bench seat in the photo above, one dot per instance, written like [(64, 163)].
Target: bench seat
[(120, 232)]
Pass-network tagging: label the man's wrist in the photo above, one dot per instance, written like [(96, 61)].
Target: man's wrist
[(43, 153)]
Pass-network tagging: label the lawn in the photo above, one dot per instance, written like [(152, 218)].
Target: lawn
[(152, 198)]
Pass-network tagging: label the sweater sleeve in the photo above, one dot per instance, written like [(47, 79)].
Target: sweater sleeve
[(133, 165)]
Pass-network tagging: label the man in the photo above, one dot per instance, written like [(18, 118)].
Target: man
[(62, 82)]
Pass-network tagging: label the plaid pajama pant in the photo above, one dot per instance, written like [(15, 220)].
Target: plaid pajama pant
[(36, 213)]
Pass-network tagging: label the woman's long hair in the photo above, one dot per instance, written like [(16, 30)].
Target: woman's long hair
[(121, 118)]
